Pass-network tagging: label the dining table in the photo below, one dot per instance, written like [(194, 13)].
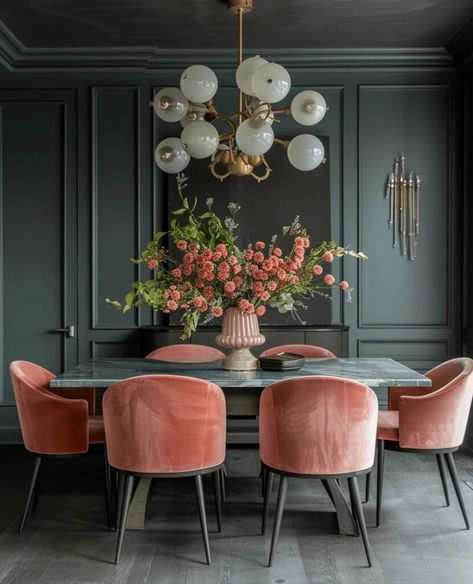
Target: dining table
[(242, 390)]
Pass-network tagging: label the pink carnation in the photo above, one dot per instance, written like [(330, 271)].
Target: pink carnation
[(152, 263), (317, 270), (217, 311), (222, 248), (272, 285), (329, 280), (232, 260), (244, 304), (261, 310), (327, 257), (260, 245), (181, 244), (229, 287), (265, 296), (258, 257), (177, 273), (172, 305), (277, 251), (282, 274), (344, 285), (175, 295), (249, 254)]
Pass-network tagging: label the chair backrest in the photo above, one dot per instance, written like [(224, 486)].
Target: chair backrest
[(438, 419), (49, 424), (186, 352), (164, 424), (318, 426), (309, 351)]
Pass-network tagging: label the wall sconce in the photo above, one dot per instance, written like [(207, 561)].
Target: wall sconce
[(403, 194)]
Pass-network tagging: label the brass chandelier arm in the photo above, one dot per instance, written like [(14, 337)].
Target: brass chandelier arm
[(284, 143), (267, 171)]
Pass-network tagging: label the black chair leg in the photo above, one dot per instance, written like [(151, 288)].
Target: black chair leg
[(218, 501), (199, 491), (267, 499), (263, 475), (379, 489), (355, 496), (119, 502), (456, 484), (327, 489), (367, 487), (124, 514), (278, 517), (443, 477), (223, 474), (29, 499), (353, 510), (108, 487), (39, 485)]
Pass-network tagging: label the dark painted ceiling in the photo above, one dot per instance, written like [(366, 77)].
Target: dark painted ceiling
[(199, 24)]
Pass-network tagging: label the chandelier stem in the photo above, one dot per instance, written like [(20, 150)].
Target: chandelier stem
[(240, 59)]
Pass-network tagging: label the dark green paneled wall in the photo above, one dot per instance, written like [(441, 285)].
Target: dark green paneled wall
[(80, 191)]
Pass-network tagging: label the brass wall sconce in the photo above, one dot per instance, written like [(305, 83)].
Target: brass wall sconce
[(403, 194)]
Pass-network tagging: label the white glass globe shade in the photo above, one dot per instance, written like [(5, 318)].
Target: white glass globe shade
[(200, 139), (305, 152), (199, 83), (308, 107), (271, 83), (170, 156), (254, 137), (170, 104), (245, 71)]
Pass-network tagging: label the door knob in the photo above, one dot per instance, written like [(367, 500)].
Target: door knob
[(69, 331)]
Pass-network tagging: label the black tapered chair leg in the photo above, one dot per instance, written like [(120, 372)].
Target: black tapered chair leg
[(199, 491), (367, 487), (108, 487), (354, 510), (124, 514), (278, 517), (39, 485), (120, 491), (29, 499), (379, 481), (358, 507), (443, 477), (223, 474), (218, 500), (328, 491), (267, 499), (263, 475), (456, 484)]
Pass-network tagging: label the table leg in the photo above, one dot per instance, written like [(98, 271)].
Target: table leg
[(137, 510), (346, 523)]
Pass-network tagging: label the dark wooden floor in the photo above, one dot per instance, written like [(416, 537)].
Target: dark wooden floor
[(420, 541)]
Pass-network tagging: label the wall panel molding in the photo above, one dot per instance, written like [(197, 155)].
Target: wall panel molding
[(131, 153), (366, 199)]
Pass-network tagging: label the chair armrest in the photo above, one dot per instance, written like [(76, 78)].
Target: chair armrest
[(55, 425), (87, 393), (395, 393)]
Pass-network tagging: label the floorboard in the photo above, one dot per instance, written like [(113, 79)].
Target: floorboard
[(66, 541)]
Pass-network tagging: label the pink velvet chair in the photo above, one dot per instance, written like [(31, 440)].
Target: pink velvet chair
[(308, 351), (317, 427), (165, 426), (186, 352), (52, 425), (429, 419)]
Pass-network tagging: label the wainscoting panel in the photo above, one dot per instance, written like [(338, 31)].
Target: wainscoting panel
[(415, 120), (115, 201)]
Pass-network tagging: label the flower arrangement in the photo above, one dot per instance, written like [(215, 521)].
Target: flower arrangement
[(213, 273)]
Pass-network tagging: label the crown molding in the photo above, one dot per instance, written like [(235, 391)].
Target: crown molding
[(18, 58), (461, 47)]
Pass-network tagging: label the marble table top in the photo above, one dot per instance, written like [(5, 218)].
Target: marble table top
[(375, 372)]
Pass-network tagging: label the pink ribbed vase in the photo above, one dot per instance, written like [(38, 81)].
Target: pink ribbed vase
[(240, 332)]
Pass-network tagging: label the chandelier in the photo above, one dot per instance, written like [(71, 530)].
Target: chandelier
[(237, 144)]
